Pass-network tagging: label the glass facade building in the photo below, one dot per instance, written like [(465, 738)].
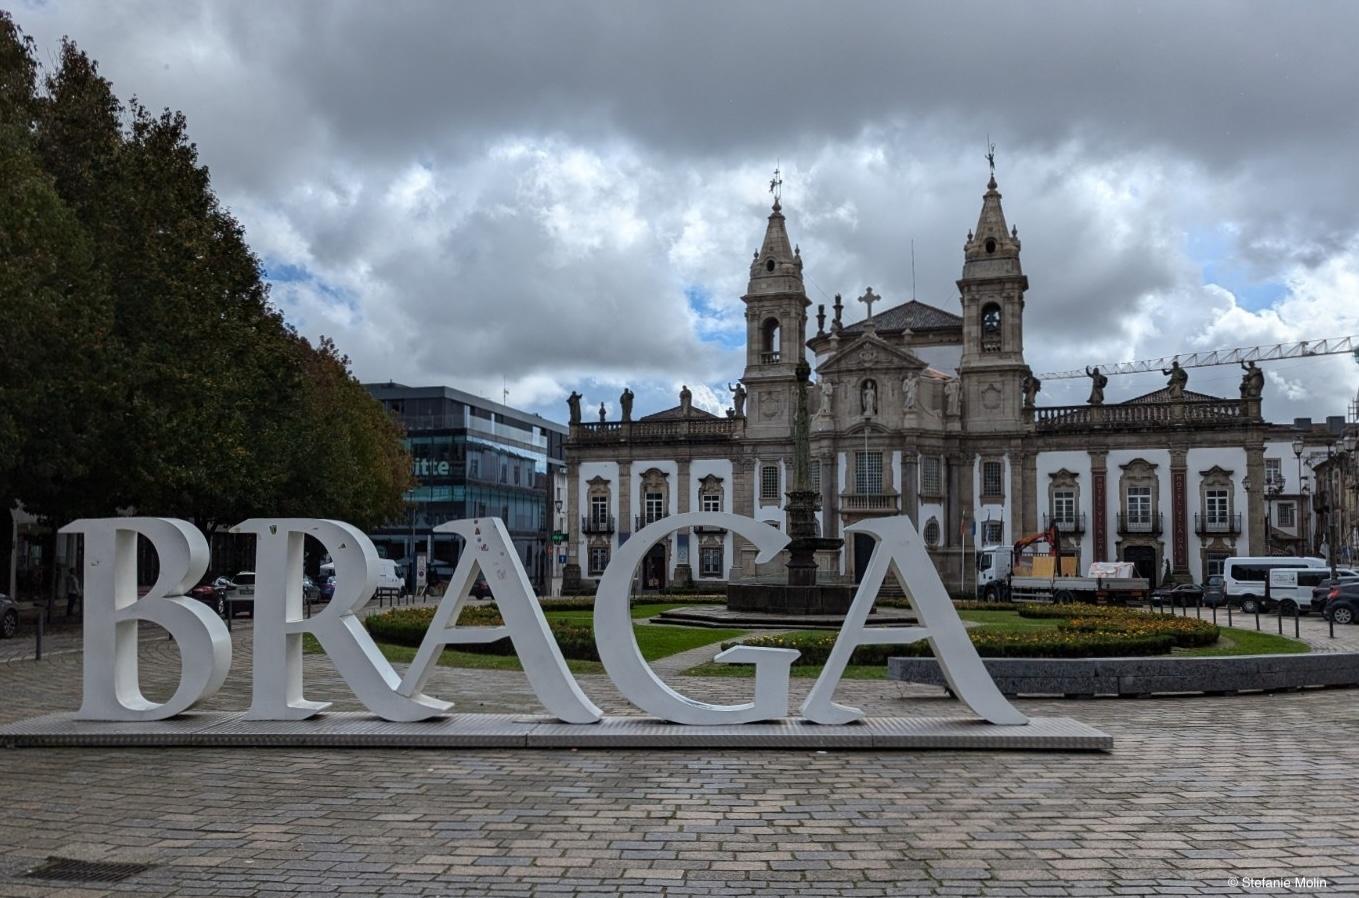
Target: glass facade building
[(472, 457)]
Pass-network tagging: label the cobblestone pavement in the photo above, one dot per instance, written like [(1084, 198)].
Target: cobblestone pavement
[(1196, 791)]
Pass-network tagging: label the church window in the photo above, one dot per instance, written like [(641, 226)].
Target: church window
[(990, 328), (1273, 474), (655, 507), (769, 265), (868, 472), (1286, 518), (814, 475), (990, 244), (599, 560), (711, 501), (929, 476), (993, 533), (932, 532), (769, 482), (992, 479), (710, 561), (769, 341), (1064, 508)]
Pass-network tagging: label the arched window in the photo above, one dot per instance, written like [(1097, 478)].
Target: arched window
[(769, 341), (990, 328)]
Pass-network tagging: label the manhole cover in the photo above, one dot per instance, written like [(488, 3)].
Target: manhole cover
[(85, 871)]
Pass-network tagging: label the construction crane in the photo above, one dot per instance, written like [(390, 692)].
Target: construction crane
[(1269, 353)]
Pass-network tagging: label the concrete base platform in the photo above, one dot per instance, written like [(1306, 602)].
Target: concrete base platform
[(358, 730), (724, 616)]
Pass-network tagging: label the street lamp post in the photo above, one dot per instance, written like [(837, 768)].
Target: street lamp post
[(1303, 511), (1351, 443)]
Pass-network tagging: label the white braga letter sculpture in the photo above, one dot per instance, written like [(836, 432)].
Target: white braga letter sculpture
[(112, 611)]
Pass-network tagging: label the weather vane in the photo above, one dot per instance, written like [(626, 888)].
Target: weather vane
[(991, 154), (776, 185)]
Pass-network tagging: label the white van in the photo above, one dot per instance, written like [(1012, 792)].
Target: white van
[(1290, 588), (388, 578), (1244, 577)]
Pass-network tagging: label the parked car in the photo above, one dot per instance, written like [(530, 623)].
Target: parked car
[(1244, 578), (1342, 604), (212, 595), (9, 617), (240, 595), (1185, 594), (327, 589), (1322, 591), (310, 591), (1213, 593), (481, 589)]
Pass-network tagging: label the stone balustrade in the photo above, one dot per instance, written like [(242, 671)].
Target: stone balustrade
[(1139, 414), (604, 432)]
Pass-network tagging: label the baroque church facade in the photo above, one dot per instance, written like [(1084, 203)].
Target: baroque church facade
[(931, 413)]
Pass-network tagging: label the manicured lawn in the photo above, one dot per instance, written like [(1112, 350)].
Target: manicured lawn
[(1248, 642), (655, 640)]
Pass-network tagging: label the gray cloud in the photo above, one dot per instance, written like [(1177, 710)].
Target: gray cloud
[(528, 190)]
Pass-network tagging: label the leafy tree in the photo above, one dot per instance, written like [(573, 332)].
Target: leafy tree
[(142, 365)]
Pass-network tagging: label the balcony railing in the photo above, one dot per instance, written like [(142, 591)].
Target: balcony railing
[(769, 358), (596, 524), (650, 518), (1072, 523), (1138, 414), (1140, 524), (657, 431), (1217, 524), (869, 501)]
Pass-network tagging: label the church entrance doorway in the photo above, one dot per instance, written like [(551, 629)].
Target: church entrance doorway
[(1144, 561), (863, 550), (653, 568)]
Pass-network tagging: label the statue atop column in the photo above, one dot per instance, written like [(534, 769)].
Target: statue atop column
[(603, 415), (573, 403), (686, 400), (1031, 387), (1252, 382), (1178, 378), (1097, 384), (625, 402), (738, 399)]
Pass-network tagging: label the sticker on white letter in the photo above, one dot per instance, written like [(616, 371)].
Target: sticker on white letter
[(622, 656), (899, 551), (280, 624), (112, 612)]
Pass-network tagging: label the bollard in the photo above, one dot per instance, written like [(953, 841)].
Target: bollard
[(1214, 615), (1331, 621), (37, 637), (1296, 612), (1278, 611), (1198, 607), (1229, 611), (1257, 614)]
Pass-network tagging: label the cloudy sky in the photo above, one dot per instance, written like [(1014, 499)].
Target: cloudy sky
[(542, 197)]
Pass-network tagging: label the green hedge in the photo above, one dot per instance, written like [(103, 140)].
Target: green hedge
[(407, 626), (816, 647)]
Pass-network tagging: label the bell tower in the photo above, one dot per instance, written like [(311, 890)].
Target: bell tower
[(776, 326), (992, 294)]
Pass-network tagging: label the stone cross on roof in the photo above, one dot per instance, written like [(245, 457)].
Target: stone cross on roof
[(868, 299)]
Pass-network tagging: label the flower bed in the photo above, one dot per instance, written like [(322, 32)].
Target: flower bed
[(407, 626), (1185, 632), (816, 647)]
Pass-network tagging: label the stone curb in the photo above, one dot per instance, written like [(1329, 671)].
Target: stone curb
[(1145, 676)]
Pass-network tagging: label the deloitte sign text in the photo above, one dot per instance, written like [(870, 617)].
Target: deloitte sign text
[(112, 689)]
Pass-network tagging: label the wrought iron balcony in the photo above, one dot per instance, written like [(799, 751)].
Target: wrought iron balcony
[(596, 524), (1140, 524), (1217, 524), (1072, 523), (649, 518)]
